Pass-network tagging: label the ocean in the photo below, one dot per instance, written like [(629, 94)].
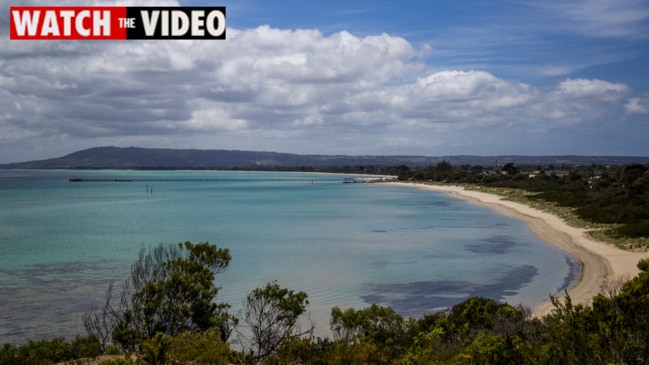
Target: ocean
[(348, 245)]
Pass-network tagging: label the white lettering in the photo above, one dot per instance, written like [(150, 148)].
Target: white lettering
[(61, 23), (67, 16), (83, 31), (26, 19), (198, 23), (220, 17), (101, 25), (179, 24), (165, 23), (150, 22), (182, 23), (50, 25)]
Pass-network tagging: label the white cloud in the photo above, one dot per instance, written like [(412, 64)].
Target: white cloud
[(471, 86), (306, 56), (591, 90), (266, 88), (637, 106)]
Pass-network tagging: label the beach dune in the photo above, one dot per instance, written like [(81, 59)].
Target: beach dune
[(601, 263)]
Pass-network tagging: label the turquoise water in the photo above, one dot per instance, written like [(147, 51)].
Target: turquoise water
[(62, 243)]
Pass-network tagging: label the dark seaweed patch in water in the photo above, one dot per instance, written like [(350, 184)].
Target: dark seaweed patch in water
[(416, 299), (438, 226), (47, 300), (381, 264), (573, 273), (493, 245), (379, 231), (439, 204), (77, 273)]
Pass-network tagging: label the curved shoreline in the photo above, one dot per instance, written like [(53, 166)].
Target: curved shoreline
[(601, 263)]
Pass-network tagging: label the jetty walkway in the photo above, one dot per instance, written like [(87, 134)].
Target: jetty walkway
[(231, 180)]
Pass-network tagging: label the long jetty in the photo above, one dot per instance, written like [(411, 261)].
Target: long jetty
[(229, 180)]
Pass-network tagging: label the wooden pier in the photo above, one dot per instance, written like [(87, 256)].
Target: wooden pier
[(227, 180)]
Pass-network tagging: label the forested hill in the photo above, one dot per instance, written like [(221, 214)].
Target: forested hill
[(156, 158)]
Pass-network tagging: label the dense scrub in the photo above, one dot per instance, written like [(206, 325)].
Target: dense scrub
[(50, 351), (477, 331), (480, 331)]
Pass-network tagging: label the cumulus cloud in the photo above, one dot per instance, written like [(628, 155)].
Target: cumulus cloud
[(267, 88), (591, 89), (637, 106)]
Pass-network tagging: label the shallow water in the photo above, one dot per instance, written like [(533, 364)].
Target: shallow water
[(349, 245)]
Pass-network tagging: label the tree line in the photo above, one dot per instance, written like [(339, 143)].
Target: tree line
[(614, 196)]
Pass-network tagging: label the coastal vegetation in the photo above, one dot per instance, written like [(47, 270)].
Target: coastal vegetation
[(168, 314), (611, 200)]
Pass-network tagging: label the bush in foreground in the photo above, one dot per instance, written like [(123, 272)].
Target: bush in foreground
[(477, 331)]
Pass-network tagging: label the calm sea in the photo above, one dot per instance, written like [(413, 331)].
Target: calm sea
[(347, 245)]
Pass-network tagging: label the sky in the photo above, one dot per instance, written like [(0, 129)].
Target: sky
[(433, 78)]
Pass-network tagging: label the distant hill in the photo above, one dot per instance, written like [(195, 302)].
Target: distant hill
[(156, 158)]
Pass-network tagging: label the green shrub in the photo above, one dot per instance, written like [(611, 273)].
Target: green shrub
[(50, 351), (199, 348)]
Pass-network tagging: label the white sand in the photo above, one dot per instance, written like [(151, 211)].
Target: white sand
[(602, 263)]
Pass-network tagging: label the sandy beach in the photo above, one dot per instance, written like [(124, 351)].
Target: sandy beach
[(602, 263)]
